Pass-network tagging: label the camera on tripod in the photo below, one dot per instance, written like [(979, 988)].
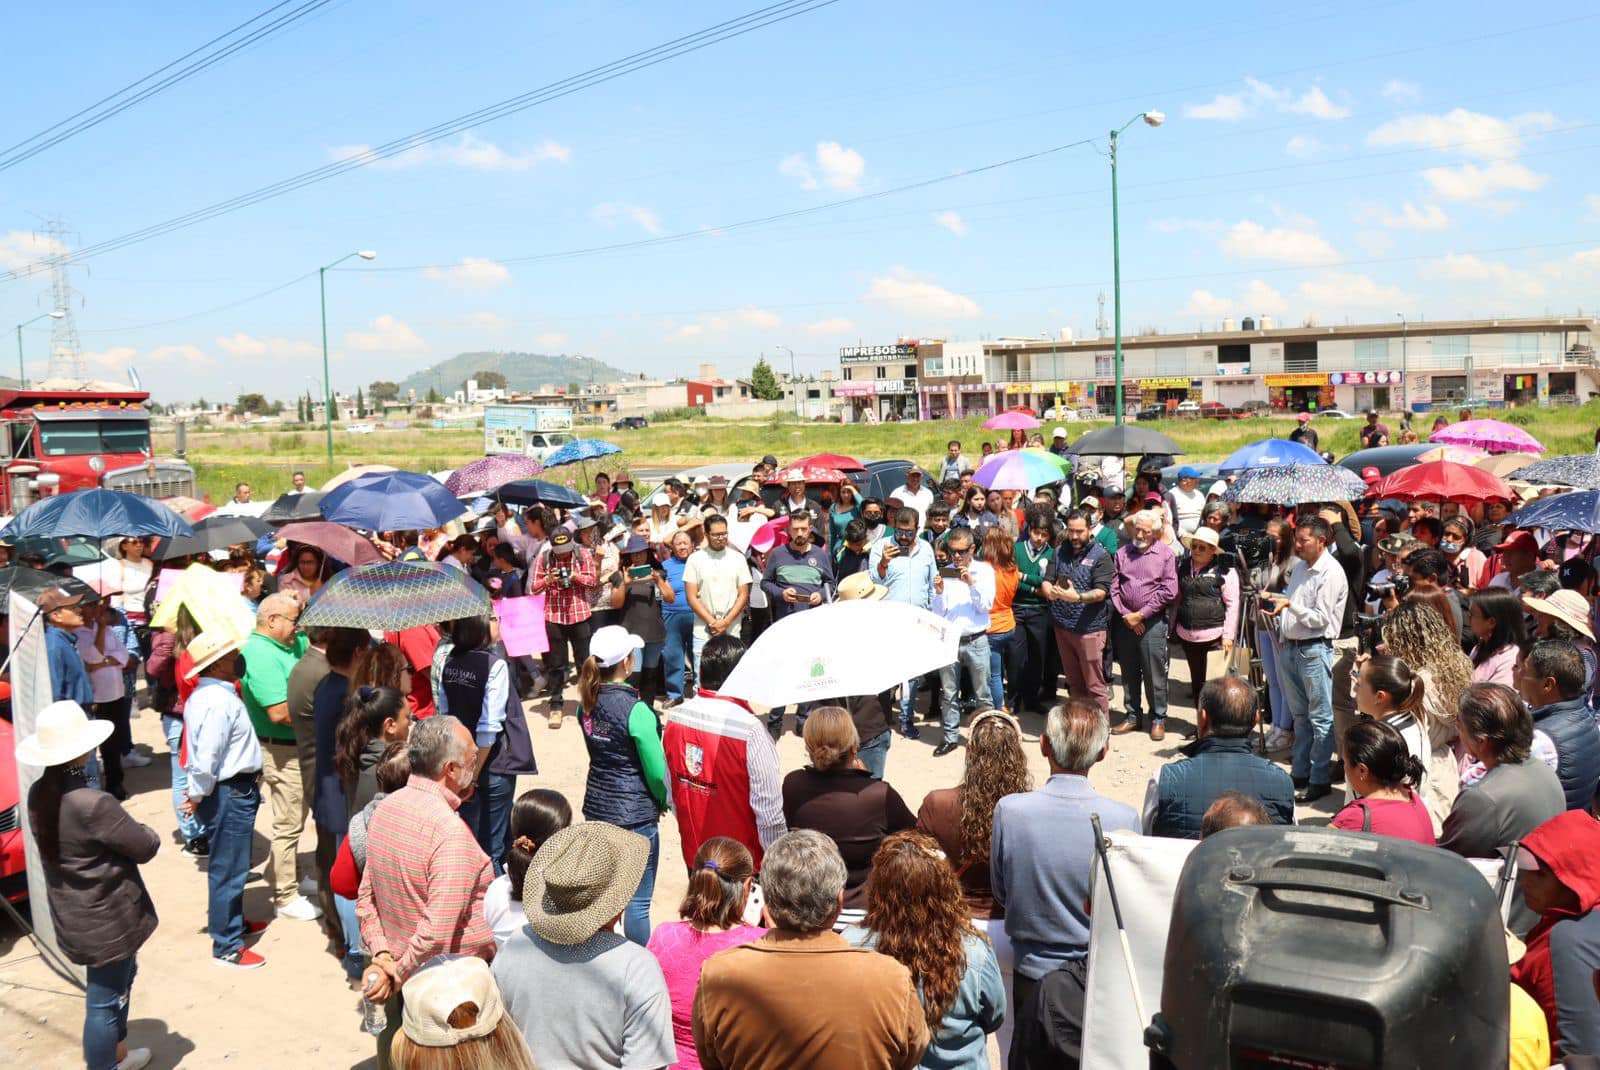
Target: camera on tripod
[(1253, 547), (1368, 632)]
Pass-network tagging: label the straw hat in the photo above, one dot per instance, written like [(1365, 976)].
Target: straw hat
[(433, 993), (860, 585), (62, 732), (207, 647), (1202, 534), (1568, 607), (580, 880)]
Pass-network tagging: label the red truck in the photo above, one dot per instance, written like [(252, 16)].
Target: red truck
[(63, 440)]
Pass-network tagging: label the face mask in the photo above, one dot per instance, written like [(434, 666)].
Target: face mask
[(1450, 547)]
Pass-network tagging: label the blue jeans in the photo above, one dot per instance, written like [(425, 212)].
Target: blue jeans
[(488, 815), (908, 701), (680, 637), (1307, 671), (355, 952), (874, 753), (1267, 646), (189, 826), (973, 653), (999, 650), (636, 918), (105, 1019), (230, 812)]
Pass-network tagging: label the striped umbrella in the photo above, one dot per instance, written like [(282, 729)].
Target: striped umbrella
[(491, 472), (1026, 469), (396, 596), (1296, 484)]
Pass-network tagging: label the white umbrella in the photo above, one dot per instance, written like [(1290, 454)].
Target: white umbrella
[(840, 649)]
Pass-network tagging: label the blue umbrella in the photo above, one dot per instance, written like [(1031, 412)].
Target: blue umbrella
[(580, 449), (391, 501), (1577, 470), (1296, 484), (96, 514), (539, 492), (1578, 510), (1270, 452)]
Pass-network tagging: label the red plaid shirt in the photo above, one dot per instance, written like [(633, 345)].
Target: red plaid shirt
[(422, 889), (565, 605)]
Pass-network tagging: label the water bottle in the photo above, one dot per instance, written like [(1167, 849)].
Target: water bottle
[(374, 1019)]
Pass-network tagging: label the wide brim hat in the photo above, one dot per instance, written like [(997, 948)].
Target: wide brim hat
[(580, 879), (1203, 534), (1568, 607), (859, 585), (635, 544), (62, 732), (1397, 544), (207, 647)]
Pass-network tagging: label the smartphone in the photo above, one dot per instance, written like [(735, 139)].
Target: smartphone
[(752, 906), (950, 572), (639, 572)]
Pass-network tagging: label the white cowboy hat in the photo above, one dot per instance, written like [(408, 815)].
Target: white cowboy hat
[(207, 647), (62, 732)]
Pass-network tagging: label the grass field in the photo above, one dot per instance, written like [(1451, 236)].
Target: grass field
[(266, 459)]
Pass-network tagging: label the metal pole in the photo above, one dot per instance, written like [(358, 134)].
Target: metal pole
[(1116, 280), (794, 382), (22, 378), (327, 381), (1405, 372)]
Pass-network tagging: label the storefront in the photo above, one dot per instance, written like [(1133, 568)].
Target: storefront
[(954, 401), (896, 399), (1363, 391), (1238, 391), (856, 400), (1521, 389), (1169, 392), (1301, 392)]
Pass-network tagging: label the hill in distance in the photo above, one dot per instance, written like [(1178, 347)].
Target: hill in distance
[(523, 371)]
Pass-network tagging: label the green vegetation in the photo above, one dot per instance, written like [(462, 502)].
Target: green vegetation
[(267, 458)]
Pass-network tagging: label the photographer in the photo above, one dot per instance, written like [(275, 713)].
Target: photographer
[(1390, 584), (565, 574), (637, 592)]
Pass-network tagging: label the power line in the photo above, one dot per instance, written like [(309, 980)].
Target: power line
[(723, 31), (109, 106)]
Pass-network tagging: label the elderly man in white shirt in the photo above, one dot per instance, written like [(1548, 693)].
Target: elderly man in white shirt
[(1310, 614), (964, 598), (913, 494)]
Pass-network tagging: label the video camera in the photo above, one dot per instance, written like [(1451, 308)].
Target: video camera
[(1398, 585), (1253, 547), (1368, 628)]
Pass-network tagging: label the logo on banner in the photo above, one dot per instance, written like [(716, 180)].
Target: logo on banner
[(694, 758)]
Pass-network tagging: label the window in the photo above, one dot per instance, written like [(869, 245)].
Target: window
[(911, 371), (1372, 354), (21, 440), (1233, 354), (882, 371), (813, 394), (78, 438), (847, 374), (1300, 357), (933, 367), (1105, 365)]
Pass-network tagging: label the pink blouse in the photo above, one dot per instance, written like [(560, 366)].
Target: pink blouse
[(681, 949)]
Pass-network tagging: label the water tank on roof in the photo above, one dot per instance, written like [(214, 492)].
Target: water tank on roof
[(1266, 323), (1064, 334), (1227, 325), (1249, 324)]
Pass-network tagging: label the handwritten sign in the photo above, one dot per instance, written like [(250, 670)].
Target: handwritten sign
[(522, 625)]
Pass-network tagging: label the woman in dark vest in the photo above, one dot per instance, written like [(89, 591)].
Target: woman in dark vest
[(639, 588), (478, 691), (627, 783), (1208, 604)]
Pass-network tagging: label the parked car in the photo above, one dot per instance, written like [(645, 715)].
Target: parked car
[(13, 865), (1386, 459), (1216, 410), (1333, 414), (1187, 408), (630, 423), (881, 477), (1254, 407), (1151, 414)]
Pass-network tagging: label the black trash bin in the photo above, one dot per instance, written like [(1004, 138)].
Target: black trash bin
[(1319, 948)]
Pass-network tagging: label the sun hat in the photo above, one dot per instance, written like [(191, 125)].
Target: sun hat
[(634, 545), (717, 481), (701, 481), (61, 732), (791, 475), (1305, 417), (1060, 432), (432, 994), (859, 585), (1217, 489), (583, 522), (1188, 471), (1519, 540), (581, 878), (1568, 607), (1399, 543), (561, 542), (207, 647), (622, 477), (659, 498), (1202, 534), (609, 645)]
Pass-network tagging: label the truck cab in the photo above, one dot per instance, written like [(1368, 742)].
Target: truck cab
[(56, 441)]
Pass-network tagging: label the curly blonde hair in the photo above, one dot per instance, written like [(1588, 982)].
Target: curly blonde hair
[(996, 767), (1416, 633)]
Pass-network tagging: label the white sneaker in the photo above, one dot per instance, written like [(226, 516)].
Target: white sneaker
[(308, 887), (1276, 739), (135, 760), (299, 909), (138, 1059)]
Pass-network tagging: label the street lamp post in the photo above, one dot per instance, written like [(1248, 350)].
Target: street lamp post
[(22, 377), (1405, 377), (794, 383), (327, 379), (1151, 118)]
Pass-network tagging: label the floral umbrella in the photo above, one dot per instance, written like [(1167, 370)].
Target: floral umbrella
[(832, 460), (1296, 484), (1493, 436), (491, 472), (806, 473), (1577, 470), (1451, 452)]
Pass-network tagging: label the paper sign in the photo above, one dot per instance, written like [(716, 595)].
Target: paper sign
[(522, 625), (170, 576)]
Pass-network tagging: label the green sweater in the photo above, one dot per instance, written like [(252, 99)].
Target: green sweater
[(1035, 571), (646, 733)]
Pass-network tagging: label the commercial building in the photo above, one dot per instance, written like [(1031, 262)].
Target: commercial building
[(879, 383)]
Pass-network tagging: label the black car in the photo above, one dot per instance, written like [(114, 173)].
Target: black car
[(881, 477), (1387, 459), (1151, 414), (630, 423)]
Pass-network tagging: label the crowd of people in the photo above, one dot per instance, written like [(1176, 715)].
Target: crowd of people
[(1438, 662)]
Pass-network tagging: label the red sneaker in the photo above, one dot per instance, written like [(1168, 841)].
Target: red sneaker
[(242, 959), (254, 928)]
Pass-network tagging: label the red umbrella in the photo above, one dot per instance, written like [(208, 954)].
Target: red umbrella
[(1442, 481), (335, 540), (831, 460), (809, 473)]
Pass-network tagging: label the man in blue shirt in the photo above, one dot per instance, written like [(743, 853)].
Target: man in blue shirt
[(905, 564), (1040, 858), (62, 613), (798, 577)]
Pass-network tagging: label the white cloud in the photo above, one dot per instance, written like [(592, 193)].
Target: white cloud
[(1315, 103), (690, 330), (611, 213), (20, 248), (118, 359), (473, 273), (1406, 92), (1252, 241), (831, 326), (917, 295), (1333, 292), (1464, 267), (1409, 217), (550, 340), (249, 347), (747, 318), (387, 335), (1224, 106), (188, 354), (1206, 303), (952, 222), (1304, 147), (1259, 297), (1469, 182), (833, 166), (1255, 298), (1469, 133), (470, 151), (114, 359)]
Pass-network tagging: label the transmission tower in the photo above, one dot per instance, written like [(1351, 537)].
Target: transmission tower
[(66, 359), (1100, 323)]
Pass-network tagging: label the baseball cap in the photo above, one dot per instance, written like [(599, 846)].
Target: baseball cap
[(1151, 496), (1371, 474), (55, 598), (1188, 471), (561, 542), (609, 645), (770, 459), (434, 993), (1060, 432), (1304, 417), (1519, 540), (1091, 502)]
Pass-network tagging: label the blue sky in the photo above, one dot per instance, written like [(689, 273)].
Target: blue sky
[(1343, 161)]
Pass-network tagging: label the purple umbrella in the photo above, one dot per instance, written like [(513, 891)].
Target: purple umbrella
[(490, 473), (1495, 436)]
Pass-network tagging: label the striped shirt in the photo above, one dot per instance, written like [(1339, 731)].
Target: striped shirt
[(422, 889), (724, 774)]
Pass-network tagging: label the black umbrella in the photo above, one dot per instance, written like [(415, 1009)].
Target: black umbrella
[(32, 582), (1126, 440), (291, 507), (214, 533), (540, 492)]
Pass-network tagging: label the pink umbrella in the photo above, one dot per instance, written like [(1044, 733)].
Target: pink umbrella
[(1449, 452), (334, 540), (1011, 421), (1493, 436)]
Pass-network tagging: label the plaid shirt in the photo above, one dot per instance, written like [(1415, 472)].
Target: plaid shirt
[(565, 605), (422, 889)]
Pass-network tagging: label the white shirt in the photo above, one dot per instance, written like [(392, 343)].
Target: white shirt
[(717, 576), (968, 604), (919, 500), (1317, 594), (222, 742), (505, 918), (1187, 505), (106, 681)]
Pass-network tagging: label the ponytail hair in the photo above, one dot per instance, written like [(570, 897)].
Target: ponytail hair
[(537, 815), (716, 896), (1394, 677), (591, 675), (365, 711), (1380, 747)]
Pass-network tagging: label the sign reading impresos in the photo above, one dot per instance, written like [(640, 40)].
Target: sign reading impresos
[(856, 354)]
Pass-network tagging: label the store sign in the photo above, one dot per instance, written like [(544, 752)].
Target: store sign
[(858, 354), (1488, 386), (1384, 378), (1302, 379), (1233, 369), (890, 386), (1178, 382), (852, 390)]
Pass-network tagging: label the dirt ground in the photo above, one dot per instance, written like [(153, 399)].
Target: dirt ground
[(296, 1011)]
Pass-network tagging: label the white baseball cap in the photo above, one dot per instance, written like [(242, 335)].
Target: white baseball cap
[(1060, 432), (609, 645)]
